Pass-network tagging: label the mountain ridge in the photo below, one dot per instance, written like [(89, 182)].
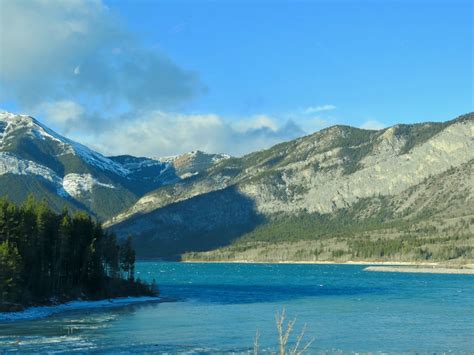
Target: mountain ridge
[(278, 152), (331, 189), (70, 172), (320, 174)]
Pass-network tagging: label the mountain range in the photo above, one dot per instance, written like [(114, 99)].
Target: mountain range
[(400, 193), (34, 159)]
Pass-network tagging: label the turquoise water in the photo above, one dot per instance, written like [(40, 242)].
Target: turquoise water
[(219, 307)]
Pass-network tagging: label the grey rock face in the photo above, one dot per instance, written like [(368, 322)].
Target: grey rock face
[(322, 173)]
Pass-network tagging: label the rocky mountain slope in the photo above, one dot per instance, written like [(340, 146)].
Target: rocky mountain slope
[(401, 193), (34, 159), (339, 182)]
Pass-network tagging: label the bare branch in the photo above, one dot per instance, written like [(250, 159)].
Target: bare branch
[(284, 333), (280, 319), (289, 329), (298, 341), (307, 346), (255, 343)]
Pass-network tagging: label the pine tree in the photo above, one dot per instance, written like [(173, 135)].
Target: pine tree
[(61, 270), (111, 255), (127, 258), (10, 272), (45, 255)]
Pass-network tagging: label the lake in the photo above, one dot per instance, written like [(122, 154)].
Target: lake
[(219, 307)]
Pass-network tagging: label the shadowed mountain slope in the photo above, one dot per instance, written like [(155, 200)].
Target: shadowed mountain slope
[(339, 180)]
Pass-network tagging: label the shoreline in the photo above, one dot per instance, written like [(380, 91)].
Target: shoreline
[(38, 312), (421, 270), (372, 266), (324, 262)]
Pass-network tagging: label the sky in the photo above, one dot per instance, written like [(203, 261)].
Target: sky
[(157, 78)]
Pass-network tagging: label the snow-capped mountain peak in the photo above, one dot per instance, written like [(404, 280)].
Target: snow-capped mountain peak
[(36, 159), (29, 126), (192, 163)]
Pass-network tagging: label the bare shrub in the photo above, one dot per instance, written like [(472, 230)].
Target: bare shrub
[(285, 329)]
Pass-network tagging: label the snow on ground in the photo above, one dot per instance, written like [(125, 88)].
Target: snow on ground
[(36, 129), (194, 154), (3, 128), (10, 164), (46, 311), (97, 159), (79, 184), (134, 164), (188, 175), (218, 157)]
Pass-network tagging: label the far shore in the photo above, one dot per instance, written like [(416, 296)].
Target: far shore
[(317, 262), (424, 270), (378, 266)]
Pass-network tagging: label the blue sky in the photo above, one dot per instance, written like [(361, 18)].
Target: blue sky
[(235, 76), (391, 61)]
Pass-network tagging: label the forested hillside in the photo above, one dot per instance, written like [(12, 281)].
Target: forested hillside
[(47, 257), (402, 193)]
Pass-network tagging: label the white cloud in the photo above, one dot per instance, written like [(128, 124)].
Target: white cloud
[(58, 50), (256, 122), (77, 66), (315, 109), (63, 114), (159, 133), (373, 125)]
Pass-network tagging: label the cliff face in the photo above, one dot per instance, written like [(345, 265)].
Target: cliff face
[(329, 173)]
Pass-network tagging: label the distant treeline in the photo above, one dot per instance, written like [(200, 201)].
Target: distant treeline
[(344, 236), (45, 257)]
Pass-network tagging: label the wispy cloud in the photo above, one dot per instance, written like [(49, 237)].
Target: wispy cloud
[(314, 109)]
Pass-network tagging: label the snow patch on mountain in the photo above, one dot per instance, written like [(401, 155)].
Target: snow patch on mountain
[(3, 127), (139, 171), (97, 159), (192, 163), (172, 158), (80, 184), (10, 164), (219, 157), (12, 123), (194, 155), (133, 164)]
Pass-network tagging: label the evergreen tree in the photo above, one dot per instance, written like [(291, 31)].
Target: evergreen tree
[(127, 258), (62, 270), (10, 272), (45, 255)]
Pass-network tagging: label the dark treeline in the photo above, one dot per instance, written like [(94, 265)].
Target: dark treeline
[(45, 256)]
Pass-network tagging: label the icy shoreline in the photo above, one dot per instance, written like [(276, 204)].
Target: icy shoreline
[(46, 311)]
